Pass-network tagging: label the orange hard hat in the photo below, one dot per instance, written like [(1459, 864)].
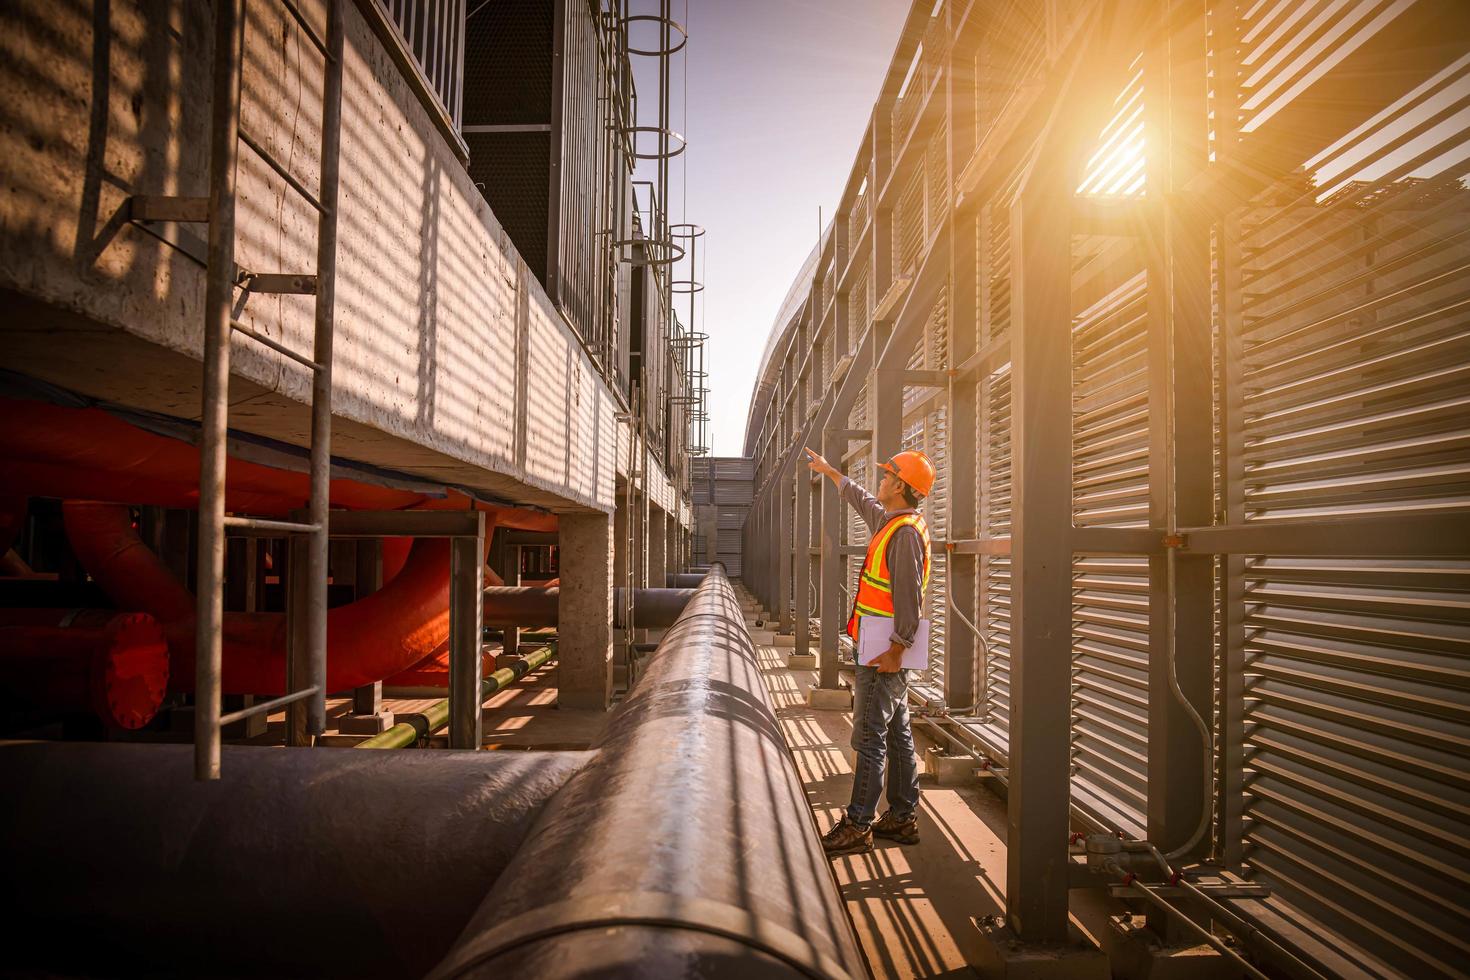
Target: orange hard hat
[(913, 468)]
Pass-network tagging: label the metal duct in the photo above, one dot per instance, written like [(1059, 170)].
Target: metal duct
[(110, 664), (509, 606), (324, 863), (685, 848), (686, 580), (375, 637)]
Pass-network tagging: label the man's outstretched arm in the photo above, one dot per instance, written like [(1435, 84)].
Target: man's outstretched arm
[(817, 464), (861, 500)]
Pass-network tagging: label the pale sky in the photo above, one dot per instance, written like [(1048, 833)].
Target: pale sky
[(779, 94)]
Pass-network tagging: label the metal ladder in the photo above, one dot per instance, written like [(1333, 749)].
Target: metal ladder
[(307, 567)]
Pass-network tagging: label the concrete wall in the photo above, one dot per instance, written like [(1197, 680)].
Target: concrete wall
[(443, 336)]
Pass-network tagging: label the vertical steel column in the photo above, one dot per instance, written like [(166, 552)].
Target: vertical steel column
[(368, 699), (773, 528), (1181, 436), (959, 642), (510, 573), (321, 386), (219, 292), (801, 556), (785, 550), (1230, 749), (466, 610), (887, 418), (833, 608), (1041, 427), (298, 659)]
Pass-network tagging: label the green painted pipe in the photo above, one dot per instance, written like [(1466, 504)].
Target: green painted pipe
[(407, 734)]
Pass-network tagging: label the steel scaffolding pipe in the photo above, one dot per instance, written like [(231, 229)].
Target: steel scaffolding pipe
[(531, 607), (333, 864), (686, 847)]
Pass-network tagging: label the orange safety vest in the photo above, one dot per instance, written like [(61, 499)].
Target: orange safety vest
[(875, 585)]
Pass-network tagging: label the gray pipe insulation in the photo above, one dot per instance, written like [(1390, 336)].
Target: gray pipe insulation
[(318, 862), (685, 847)]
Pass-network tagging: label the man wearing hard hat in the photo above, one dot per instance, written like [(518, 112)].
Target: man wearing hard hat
[(891, 587)]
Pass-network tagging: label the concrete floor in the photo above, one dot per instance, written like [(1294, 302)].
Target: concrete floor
[(916, 909)]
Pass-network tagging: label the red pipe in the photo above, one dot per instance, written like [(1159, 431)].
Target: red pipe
[(368, 640), (114, 665), (395, 553), (88, 454), (12, 519)]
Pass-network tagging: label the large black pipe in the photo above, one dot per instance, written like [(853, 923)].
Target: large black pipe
[(685, 848), (296, 863), (686, 580), (507, 606)]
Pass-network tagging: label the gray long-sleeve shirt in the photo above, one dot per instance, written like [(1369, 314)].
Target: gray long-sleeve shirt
[(905, 559)]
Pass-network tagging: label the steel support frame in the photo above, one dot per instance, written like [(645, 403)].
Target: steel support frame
[(1037, 819), (1181, 434)]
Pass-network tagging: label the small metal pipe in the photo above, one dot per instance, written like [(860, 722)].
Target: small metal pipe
[(280, 170), (266, 526), (214, 417), (1189, 924), (266, 707), (274, 345), (436, 716), (1237, 923)]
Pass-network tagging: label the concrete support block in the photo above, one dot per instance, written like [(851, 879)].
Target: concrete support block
[(584, 613), (762, 638), (1004, 956), (374, 724), (950, 770), (785, 640), (658, 568), (828, 699), (1136, 953), (800, 661)]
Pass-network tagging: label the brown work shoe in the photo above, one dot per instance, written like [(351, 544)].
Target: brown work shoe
[(847, 838), (904, 830)]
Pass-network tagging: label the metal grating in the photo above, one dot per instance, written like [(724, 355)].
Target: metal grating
[(513, 171), (434, 31)]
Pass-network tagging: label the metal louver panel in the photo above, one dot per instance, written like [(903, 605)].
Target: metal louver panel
[(995, 579), (1110, 643), (908, 224), (1110, 409), (1354, 375)]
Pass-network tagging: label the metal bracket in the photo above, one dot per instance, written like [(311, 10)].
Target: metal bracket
[(277, 282)]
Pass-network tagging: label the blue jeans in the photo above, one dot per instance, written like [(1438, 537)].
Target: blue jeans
[(880, 728)]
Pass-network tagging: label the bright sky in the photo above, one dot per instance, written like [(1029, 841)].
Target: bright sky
[(779, 96)]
